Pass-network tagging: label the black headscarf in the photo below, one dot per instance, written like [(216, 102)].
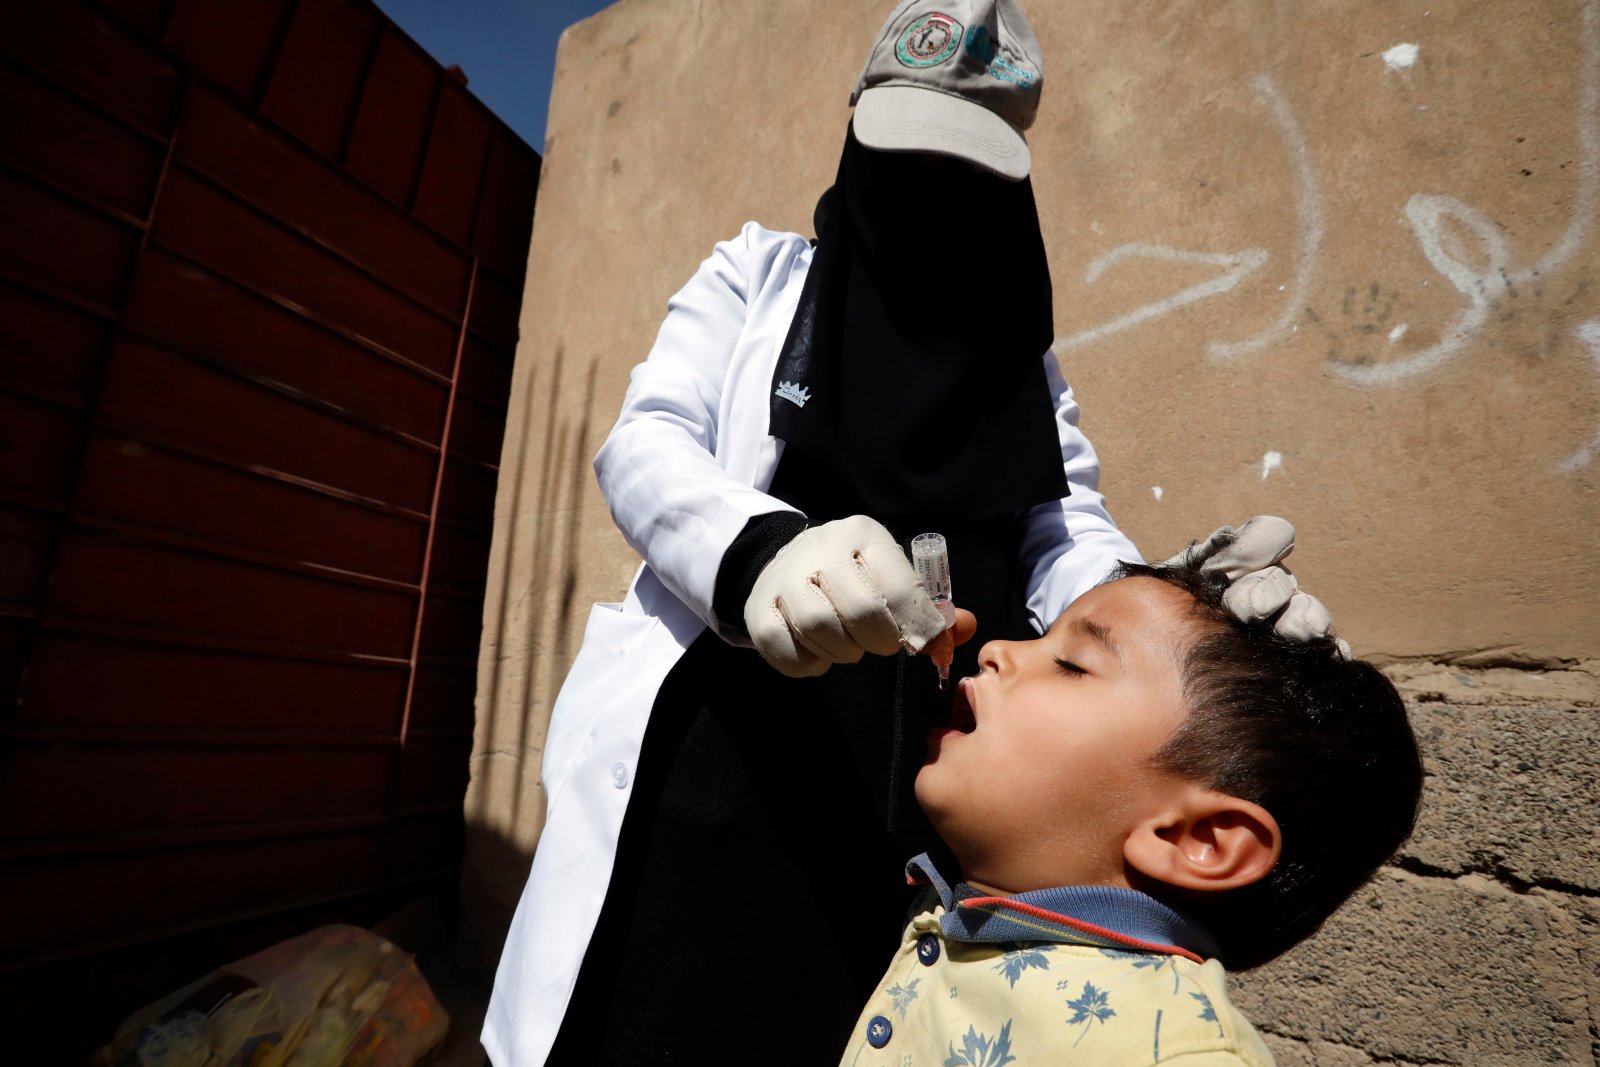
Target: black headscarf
[(919, 342)]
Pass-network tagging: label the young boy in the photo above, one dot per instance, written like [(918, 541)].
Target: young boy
[(1151, 790)]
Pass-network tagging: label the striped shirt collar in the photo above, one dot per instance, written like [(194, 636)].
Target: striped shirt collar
[(1094, 915)]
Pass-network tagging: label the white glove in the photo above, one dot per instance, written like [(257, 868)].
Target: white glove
[(834, 592), (1259, 586)]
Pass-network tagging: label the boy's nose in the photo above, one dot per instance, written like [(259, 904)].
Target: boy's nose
[(995, 654)]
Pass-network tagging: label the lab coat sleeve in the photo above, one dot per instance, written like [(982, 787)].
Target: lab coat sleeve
[(661, 470), (1070, 545)]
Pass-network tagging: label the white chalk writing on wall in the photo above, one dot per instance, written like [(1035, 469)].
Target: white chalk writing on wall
[(1589, 334), (1309, 205), (1238, 264), (1481, 276)]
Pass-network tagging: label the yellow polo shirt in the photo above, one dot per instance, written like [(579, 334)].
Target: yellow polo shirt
[(1088, 987)]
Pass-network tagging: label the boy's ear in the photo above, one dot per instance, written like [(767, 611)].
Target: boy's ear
[(1206, 841)]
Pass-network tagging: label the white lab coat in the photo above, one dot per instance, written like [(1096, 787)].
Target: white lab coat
[(683, 470)]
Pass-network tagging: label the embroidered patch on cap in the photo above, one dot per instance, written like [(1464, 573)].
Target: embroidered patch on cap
[(929, 41)]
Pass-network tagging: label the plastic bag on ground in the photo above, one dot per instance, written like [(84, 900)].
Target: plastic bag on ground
[(339, 996)]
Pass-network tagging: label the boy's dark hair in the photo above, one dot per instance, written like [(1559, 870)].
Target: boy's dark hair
[(1320, 741)]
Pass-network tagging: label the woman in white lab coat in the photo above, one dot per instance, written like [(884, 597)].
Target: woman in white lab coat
[(721, 871)]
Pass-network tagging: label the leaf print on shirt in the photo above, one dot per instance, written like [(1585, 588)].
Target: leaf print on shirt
[(1158, 962), (1141, 960), (1012, 964), (1089, 1008), (903, 995), (979, 1050), (1208, 1014)]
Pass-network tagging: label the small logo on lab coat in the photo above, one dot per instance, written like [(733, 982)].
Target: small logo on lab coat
[(792, 392)]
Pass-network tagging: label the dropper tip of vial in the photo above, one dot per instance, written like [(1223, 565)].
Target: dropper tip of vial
[(944, 677)]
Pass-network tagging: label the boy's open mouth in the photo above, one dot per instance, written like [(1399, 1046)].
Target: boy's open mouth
[(962, 717), (963, 720)]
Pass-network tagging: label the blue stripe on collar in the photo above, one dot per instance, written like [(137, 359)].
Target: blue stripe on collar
[(1094, 915)]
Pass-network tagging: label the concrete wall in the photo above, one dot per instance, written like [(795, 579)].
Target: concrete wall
[(1299, 270)]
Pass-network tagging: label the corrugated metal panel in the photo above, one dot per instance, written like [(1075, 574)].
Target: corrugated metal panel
[(322, 202), (505, 207), (71, 145), (317, 81), (392, 122), (64, 245), (447, 189), (191, 309), (74, 46), (155, 691), (232, 43), (260, 274), (207, 224)]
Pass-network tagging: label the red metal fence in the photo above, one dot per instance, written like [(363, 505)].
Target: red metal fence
[(260, 272)]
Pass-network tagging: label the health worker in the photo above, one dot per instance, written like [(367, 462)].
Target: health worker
[(729, 763)]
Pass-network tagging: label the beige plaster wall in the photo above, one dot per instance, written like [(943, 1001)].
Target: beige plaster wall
[(1293, 274)]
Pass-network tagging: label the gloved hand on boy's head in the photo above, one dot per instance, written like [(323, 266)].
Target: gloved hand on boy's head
[(1259, 585)]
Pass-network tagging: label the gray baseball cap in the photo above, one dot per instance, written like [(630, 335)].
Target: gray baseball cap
[(961, 77)]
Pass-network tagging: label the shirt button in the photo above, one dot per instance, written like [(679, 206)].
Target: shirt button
[(878, 1031), (928, 950), (619, 775)]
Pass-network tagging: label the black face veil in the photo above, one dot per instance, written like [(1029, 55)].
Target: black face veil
[(918, 345)]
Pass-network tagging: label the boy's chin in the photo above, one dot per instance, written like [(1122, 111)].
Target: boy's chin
[(929, 797)]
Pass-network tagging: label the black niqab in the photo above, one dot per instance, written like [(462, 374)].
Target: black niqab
[(919, 341)]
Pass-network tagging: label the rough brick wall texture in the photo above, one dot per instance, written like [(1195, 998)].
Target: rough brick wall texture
[(1479, 945), (1329, 259)]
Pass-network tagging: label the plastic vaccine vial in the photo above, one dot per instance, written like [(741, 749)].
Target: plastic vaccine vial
[(930, 558)]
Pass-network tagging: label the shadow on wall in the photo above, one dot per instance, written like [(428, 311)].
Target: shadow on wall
[(531, 634), (494, 864)]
